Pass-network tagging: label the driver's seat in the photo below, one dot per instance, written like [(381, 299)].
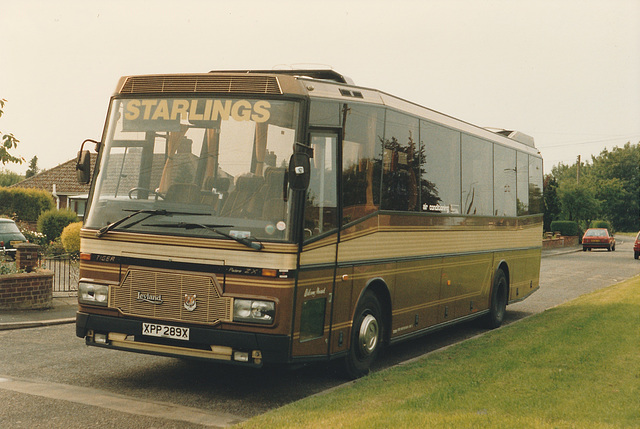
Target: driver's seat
[(183, 193)]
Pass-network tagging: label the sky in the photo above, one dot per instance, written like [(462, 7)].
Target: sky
[(566, 72)]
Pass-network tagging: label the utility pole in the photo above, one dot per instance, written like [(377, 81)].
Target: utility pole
[(578, 171)]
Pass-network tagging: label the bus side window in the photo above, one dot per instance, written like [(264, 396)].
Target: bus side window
[(361, 160), (401, 162)]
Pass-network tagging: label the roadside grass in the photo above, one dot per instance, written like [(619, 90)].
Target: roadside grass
[(573, 366)]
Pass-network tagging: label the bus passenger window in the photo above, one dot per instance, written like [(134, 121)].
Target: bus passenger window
[(401, 163), (477, 176), (361, 147), (440, 172), (504, 181)]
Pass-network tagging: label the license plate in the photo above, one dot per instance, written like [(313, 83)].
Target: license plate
[(165, 331)]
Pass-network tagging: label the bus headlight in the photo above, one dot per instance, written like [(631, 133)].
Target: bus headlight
[(252, 311), (91, 293)]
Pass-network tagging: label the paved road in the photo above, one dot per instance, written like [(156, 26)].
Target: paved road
[(49, 379)]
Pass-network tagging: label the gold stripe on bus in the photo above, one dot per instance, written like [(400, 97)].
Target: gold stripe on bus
[(266, 284), (242, 257), (323, 252), (402, 245), (423, 306), (100, 267), (195, 242), (357, 231)]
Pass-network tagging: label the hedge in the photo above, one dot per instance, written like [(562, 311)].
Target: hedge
[(24, 204), (52, 222), (602, 224), (565, 227)]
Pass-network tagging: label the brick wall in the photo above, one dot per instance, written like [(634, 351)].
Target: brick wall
[(26, 290), (561, 241)]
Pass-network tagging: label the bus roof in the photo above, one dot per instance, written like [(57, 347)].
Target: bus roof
[(327, 83)]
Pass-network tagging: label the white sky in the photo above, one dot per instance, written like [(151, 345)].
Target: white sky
[(566, 72)]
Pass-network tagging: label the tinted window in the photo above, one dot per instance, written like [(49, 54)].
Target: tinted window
[(440, 172), (361, 148), (535, 185), (477, 176), (400, 163), (522, 183), (321, 206), (325, 113), (504, 176)]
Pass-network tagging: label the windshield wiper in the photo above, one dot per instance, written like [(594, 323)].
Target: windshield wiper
[(102, 231), (190, 225)]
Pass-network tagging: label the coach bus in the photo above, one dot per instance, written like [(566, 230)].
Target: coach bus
[(260, 217)]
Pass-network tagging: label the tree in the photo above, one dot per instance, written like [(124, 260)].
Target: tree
[(33, 168), (552, 208), (579, 202), (609, 186), (8, 178), (9, 142), (617, 177)]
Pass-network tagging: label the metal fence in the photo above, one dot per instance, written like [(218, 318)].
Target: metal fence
[(65, 272)]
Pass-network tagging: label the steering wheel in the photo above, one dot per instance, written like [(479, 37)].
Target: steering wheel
[(137, 189)]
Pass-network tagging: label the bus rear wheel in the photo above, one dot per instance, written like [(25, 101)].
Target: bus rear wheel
[(499, 297), (366, 336)]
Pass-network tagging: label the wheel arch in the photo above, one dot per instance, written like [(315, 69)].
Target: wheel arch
[(379, 287), (504, 267)]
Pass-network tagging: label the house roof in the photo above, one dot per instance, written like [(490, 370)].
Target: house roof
[(63, 176)]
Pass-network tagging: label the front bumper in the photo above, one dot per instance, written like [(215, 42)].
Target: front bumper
[(204, 343)]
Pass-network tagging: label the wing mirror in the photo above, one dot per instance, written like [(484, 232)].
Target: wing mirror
[(83, 163), (83, 167), (299, 171)]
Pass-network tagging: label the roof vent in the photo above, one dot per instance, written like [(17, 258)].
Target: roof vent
[(323, 74), (515, 135)]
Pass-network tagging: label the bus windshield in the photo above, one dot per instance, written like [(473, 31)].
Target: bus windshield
[(212, 167)]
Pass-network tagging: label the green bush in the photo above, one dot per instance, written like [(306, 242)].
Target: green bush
[(70, 237), (52, 222), (24, 204), (602, 224), (566, 227)]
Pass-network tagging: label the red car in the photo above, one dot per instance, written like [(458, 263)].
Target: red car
[(636, 247), (598, 238)]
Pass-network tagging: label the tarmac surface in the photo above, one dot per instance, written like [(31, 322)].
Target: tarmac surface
[(65, 305)]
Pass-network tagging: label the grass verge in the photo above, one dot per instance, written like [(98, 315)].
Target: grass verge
[(574, 366)]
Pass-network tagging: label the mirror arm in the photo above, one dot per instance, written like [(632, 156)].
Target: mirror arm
[(285, 187)]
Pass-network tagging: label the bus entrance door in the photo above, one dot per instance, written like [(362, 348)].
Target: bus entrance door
[(316, 278)]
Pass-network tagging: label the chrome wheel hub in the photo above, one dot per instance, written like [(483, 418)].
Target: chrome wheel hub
[(368, 335)]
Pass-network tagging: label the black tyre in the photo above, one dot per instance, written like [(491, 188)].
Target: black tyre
[(613, 248), (366, 336), (499, 297), (636, 254), (584, 249)]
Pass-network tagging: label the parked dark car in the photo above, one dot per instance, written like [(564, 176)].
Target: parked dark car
[(598, 238), (10, 235), (636, 247)]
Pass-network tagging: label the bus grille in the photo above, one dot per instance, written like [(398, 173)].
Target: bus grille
[(248, 84), (161, 295)]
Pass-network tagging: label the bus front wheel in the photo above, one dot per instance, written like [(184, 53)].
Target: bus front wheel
[(366, 336), (499, 297)]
